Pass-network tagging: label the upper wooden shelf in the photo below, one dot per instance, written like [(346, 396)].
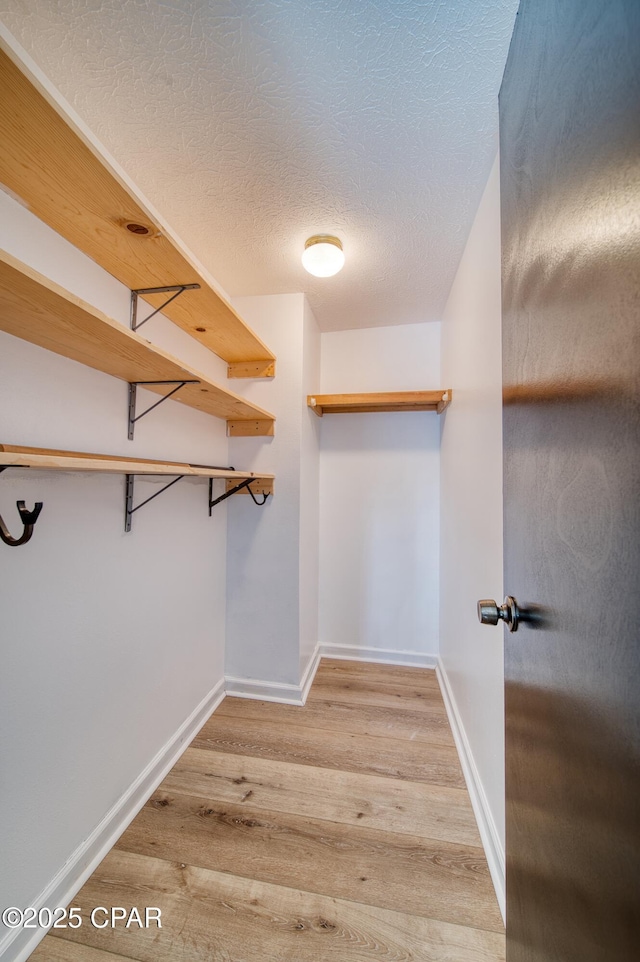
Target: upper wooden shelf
[(40, 311), (47, 164), (370, 403), (53, 460)]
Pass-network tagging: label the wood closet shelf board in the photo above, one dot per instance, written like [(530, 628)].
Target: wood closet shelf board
[(63, 181), (262, 486), (54, 460), (379, 402), (37, 310)]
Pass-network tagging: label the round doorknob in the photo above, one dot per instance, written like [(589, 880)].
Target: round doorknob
[(490, 612)]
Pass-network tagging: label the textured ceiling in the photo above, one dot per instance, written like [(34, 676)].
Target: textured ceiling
[(252, 124)]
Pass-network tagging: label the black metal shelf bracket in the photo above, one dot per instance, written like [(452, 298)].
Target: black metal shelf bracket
[(129, 509), (175, 290), (133, 392), (238, 487)]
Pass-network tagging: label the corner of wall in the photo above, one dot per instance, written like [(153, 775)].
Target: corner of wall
[(272, 558)]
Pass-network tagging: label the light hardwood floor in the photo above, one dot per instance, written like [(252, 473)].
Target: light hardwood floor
[(337, 832)]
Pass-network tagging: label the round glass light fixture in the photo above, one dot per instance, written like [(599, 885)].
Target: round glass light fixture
[(323, 255)]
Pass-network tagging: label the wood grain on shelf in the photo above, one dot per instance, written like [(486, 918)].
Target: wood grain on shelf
[(251, 369), (38, 310), (301, 856), (381, 402), (62, 180), (262, 486), (248, 428), (55, 460)]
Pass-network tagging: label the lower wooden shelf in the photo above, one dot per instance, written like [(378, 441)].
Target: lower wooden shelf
[(54, 460), (373, 403), (47, 459)]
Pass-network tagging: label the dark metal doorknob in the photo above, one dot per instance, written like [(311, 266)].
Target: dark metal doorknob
[(490, 613)]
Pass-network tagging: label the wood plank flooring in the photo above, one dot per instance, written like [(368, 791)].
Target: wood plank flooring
[(341, 831)]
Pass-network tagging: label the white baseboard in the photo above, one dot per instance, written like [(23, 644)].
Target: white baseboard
[(486, 824), (287, 694), (381, 656), (276, 691), (310, 673), (18, 944)]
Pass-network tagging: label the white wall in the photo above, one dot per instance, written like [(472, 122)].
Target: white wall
[(379, 494), (110, 640), (272, 551), (471, 521)]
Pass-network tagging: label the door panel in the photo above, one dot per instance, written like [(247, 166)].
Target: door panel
[(570, 184)]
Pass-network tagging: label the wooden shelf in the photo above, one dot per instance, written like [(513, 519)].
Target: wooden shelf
[(45, 459), (53, 460), (40, 311), (372, 403), (62, 180)]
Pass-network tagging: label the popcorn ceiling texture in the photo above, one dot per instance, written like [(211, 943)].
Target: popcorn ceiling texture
[(252, 124)]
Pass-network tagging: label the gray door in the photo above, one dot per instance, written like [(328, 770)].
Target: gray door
[(570, 179)]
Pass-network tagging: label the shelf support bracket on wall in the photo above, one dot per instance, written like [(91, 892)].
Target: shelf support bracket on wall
[(133, 391), (223, 497), (175, 290), (128, 498)]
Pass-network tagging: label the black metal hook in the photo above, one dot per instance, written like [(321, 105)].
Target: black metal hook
[(265, 495), (238, 487), (28, 519)]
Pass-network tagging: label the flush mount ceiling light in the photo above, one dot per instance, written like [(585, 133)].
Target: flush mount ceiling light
[(323, 255)]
